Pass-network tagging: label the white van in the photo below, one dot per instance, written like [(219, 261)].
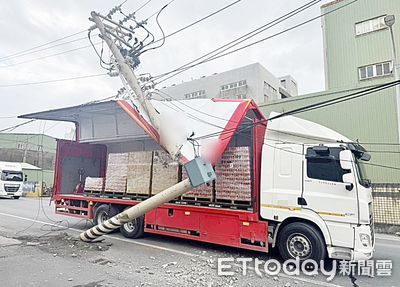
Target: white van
[(11, 179)]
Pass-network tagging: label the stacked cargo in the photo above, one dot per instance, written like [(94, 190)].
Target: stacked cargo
[(117, 172), (201, 193), (139, 173), (165, 172), (94, 184), (233, 181)]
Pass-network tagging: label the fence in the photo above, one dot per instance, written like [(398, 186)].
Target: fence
[(386, 203)]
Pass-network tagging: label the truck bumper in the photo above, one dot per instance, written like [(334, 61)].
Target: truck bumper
[(364, 242), (10, 194), (364, 246)]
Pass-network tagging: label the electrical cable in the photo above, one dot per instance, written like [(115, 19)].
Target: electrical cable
[(141, 7), (42, 45), (16, 126), (246, 36), (162, 32), (351, 96), (199, 20), (51, 55), (220, 54), (155, 13), (52, 81), (47, 48)]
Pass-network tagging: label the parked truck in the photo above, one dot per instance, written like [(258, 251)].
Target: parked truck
[(308, 195), (11, 179)]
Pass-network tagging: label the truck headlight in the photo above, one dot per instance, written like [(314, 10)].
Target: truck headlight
[(365, 239)]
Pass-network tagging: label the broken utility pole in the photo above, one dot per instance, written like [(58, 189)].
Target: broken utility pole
[(199, 171)]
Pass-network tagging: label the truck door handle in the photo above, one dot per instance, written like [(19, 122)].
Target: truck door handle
[(349, 186), (301, 201)]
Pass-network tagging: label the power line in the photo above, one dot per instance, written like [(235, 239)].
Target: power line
[(52, 81), (51, 55), (337, 100), (244, 37), (199, 20), (158, 11), (220, 54), (16, 126), (47, 48), (41, 45), (141, 7), (351, 96)]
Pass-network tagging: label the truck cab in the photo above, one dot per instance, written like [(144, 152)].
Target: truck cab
[(11, 179), (314, 191)]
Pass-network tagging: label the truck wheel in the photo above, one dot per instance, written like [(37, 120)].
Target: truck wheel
[(16, 197), (301, 240), (133, 229), (104, 212)]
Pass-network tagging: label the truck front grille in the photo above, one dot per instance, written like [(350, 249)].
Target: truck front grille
[(11, 188), (371, 222)]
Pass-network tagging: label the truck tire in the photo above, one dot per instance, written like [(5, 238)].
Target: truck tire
[(301, 240), (104, 212), (133, 229)]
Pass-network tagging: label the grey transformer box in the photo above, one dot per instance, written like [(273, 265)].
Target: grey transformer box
[(199, 171)]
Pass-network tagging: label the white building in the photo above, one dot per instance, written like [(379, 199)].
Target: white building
[(251, 81)]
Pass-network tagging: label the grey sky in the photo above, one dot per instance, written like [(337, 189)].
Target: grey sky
[(30, 23)]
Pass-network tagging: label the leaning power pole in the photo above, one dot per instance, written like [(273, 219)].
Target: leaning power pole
[(126, 58)]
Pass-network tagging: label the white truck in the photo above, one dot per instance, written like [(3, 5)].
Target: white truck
[(309, 195), (11, 179)]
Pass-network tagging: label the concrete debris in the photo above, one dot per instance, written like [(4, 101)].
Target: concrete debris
[(30, 243), (169, 264)]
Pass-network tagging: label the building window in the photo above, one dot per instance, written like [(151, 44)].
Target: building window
[(370, 25), (233, 85), (196, 95), (375, 70), (20, 146)]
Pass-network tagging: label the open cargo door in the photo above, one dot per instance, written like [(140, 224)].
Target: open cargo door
[(200, 127)]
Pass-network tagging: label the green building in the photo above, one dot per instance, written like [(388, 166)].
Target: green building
[(36, 149), (358, 54)]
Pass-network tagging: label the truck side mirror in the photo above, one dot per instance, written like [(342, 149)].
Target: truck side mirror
[(346, 159), (348, 181)]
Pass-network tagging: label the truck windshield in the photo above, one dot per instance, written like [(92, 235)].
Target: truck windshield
[(11, 176), (362, 174)]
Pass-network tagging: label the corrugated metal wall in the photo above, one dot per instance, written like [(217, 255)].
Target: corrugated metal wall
[(345, 51), (371, 119)]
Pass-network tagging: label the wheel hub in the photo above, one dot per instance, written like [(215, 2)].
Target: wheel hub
[(130, 226), (299, 246)]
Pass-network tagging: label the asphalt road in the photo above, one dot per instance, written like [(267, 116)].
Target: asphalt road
[(39, 248)]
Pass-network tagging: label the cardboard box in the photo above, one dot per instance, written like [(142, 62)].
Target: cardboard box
[(94, 184), (204, 191), (234, 175), (116, 173), (139, 172), (165, 172)]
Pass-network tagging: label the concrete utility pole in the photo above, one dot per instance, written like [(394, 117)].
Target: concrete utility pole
[(389, 21), (199, 172)]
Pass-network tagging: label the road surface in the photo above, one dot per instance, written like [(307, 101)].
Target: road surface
[(39, 248)]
